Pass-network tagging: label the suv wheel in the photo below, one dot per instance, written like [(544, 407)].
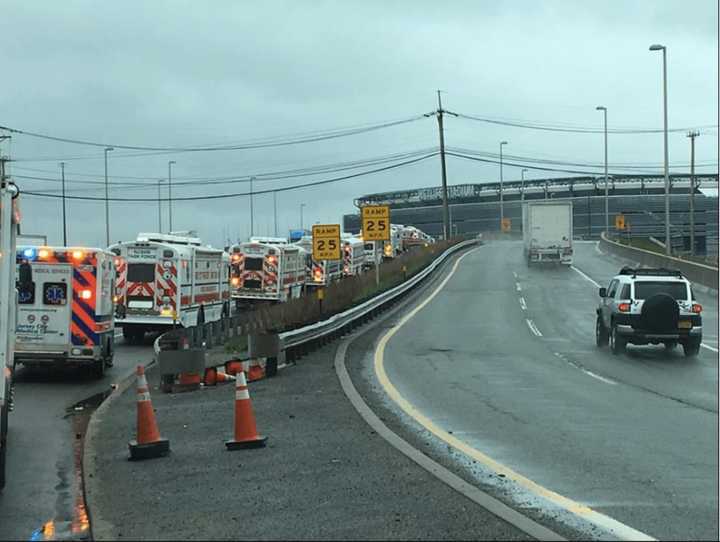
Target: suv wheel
[(601, 333), (617, 341), (691, 347)]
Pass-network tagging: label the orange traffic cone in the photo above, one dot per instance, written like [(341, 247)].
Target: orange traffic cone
[(233, 367), (210, 376), (246, 435), (256, 371), (222, 377), (149, 444)]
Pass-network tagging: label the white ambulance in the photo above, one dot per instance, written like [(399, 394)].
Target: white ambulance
[(354, 255), (65, 315), (265, 271), (166, 280), (319, 272)]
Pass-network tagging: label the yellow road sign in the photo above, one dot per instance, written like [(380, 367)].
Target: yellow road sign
[(326, 241), (619, 222), (506, 224), (376, 223)]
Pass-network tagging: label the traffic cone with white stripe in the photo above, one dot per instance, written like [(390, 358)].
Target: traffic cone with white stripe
[(149, 444), (246, 435)]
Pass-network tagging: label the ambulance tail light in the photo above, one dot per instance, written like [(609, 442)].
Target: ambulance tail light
[(318, 275), (235, 281), (85, 294), (78, 254)]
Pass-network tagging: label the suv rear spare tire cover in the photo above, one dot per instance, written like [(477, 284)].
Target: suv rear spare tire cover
[(660, 314)]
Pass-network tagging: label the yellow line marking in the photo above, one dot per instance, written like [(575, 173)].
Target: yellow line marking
[(621, 530)]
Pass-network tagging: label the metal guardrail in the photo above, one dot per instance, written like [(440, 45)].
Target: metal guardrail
[(695, 272), (212, 336)]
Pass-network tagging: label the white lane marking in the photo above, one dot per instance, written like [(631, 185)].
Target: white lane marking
[(518, 287), (583, 275), (598, 377), (523, 306), (616, 528), (533, 327), (712, 349)]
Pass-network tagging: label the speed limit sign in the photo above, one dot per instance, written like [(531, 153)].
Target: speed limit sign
[(376, 223), (326, 242)]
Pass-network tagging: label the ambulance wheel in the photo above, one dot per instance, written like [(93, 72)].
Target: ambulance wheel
[(225, 311), (201, 316), (98, 368)]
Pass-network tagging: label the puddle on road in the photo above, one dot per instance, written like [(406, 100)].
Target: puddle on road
[(71, 520)]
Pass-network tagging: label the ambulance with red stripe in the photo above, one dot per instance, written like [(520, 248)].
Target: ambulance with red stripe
[(353, 254), (65, 315), (165, 280), (265, 271), (319, 272)]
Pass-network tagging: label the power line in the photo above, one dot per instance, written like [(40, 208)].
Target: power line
[(240, 194), (275, 141), (567, 163), (579, 129), (267, 176)]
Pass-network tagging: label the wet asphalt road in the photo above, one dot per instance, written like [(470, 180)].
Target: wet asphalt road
[(42, 481), (505, 358)]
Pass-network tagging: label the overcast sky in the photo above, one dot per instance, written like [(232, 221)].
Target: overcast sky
[(175, 73)]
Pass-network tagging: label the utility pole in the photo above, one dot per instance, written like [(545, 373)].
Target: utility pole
[(692, 136), (62, 170), (607, 212), (301, 216), (522, 184), (439, 113)]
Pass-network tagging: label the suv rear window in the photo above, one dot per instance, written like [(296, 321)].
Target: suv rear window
[(647, 289)]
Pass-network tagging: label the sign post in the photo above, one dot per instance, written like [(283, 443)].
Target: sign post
[(376, 227)]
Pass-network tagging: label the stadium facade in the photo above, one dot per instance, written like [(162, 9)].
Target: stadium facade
[(475, 208)]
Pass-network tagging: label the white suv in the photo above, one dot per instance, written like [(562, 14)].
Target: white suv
[(649, 306)]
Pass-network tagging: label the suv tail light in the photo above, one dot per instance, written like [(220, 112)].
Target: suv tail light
[(697, 308), (624, 307)]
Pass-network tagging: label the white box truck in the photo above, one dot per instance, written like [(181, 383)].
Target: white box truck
[(548, 232)]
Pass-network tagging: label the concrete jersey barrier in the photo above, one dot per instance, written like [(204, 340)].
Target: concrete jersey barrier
[(695, 272)]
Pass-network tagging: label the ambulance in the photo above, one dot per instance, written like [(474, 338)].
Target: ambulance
[(393, 247), (167, 280), (354, 256), (65, 314), (319, 272), (265, 271)]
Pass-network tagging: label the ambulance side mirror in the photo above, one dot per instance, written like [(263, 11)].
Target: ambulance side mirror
[(25, 273)]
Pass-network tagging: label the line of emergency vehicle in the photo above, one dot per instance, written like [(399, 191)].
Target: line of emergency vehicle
[(166, 280)]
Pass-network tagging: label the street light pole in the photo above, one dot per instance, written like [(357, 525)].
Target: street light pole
[(692, 136), (252, 212), (170, 163), (301, 217), (522, 184), (275, 211), (62, 169), (502, 210), (160, 206), (607, 213), (668, 248), (107, 200)]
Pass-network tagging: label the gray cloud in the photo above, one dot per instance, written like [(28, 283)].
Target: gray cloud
[(179, 73)]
